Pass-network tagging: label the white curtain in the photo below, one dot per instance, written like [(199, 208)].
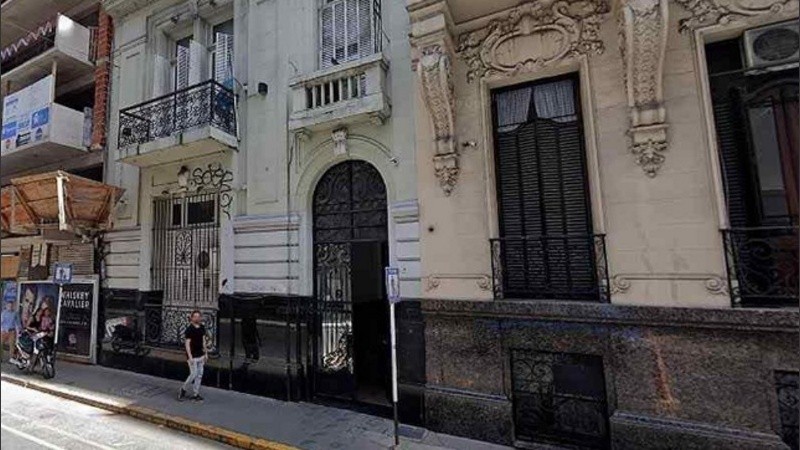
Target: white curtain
[(554, 101)]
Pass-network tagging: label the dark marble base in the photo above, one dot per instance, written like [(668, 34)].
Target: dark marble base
[(484, 418), (633, 432), (702, 378)]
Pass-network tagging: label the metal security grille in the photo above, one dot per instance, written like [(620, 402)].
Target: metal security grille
[(349, 30), (547, 248), (786, 385), (185, 264), (559, 398), (349, 210)]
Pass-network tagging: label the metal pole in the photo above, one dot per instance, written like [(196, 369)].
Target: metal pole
[(393, 335)]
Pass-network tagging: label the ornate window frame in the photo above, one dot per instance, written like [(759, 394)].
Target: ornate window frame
[(579, 65)]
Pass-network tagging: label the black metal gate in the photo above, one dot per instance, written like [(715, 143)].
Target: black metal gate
[(185, 265), (349, 233)]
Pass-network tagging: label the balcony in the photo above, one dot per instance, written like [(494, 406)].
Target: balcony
[(346, 94), (551, 267), (61, 139), (762, 266), (60, 41), (189, 123)]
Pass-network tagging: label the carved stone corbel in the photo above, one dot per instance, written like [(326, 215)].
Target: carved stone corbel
[(437, 89), (643, 36)]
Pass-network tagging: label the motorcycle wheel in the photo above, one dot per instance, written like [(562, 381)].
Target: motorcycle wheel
[(48, 368), (21, 366)]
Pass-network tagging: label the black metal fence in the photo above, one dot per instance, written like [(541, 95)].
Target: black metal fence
[(557, 267), (762, 265), (206, 103)]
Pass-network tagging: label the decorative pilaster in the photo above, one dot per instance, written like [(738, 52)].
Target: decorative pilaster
[(643, 36), (433, 48)]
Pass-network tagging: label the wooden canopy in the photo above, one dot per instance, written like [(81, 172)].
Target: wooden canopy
[(57, 200)]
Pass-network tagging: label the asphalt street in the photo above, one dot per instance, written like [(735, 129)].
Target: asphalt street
[(32, 420)]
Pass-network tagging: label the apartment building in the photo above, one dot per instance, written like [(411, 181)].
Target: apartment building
[(592, 204)]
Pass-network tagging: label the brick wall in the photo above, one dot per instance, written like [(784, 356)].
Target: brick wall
[(102, 76)]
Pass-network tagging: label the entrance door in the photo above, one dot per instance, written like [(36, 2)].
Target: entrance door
[(185, 265), (350, 348)]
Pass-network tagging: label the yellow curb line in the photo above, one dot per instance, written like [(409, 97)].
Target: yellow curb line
[(218, 434)]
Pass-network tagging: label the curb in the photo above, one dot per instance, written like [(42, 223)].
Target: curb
[(211, 432)]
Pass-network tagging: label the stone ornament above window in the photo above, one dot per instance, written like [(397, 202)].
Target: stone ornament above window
[(533, 35), (719, 12)]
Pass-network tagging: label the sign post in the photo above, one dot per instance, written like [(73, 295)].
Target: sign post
[(393, 294)]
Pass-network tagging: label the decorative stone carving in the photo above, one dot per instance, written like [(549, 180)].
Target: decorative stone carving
[(533, 35), (339, 137), (713, 12), (643, 42), (437, 87), (714, 284), (482, 280)]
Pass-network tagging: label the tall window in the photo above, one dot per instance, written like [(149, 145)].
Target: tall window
[(349, 30), (758, 127), (182, 63), (546, 247), (222, 54)]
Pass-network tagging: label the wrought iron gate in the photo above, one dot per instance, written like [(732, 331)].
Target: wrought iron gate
[(185, 264), (349, 208)]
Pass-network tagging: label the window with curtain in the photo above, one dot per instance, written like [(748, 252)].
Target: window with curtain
[(543, 192), (349, 30)]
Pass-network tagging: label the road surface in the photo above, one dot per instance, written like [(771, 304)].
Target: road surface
[(32, 420)]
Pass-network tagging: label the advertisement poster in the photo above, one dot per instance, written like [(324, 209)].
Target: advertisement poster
[(26, 115), (9, 292), (75, 319), (34, 296)]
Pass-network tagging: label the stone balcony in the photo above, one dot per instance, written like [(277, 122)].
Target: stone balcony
[(342, 95)]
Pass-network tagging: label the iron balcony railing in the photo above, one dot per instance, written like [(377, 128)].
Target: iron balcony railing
[(205, 104), (762, 265), (551, 267)]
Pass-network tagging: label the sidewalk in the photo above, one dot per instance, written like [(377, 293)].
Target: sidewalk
[(228, 413)]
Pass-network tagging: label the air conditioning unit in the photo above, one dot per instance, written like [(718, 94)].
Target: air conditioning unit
[(773, 47)]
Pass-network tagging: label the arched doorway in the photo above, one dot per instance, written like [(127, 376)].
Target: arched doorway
[(351, 353)]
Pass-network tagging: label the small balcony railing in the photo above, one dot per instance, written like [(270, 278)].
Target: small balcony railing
[(205, 104), (762, 265), (551, 267)]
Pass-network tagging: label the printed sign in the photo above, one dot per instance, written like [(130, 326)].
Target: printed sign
[(62, 273), (37, 299), (393, 284), (75, 319), (26, 115)]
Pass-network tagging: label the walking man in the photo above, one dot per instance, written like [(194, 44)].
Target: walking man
[(196, 353)]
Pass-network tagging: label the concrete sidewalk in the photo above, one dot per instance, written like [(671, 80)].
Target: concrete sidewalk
[(244, 420)]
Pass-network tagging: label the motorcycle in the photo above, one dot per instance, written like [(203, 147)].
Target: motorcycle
[(127, 338), (34, 349)]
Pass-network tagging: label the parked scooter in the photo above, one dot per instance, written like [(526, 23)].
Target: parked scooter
[(126, 337), (34, 349)]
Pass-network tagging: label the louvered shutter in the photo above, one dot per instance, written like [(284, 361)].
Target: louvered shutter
[(198, 56), (181, 67), (223, 59), (347, 30), (731, 137), (161, 71), (545, 217)]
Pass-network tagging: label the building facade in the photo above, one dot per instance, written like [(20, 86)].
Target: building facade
[(54, 62), (593, 205)]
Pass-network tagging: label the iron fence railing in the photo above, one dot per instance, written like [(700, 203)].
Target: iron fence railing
[(206, 103), (762, 265), (555, 267)]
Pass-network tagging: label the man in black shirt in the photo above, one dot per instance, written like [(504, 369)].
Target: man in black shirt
[(196, 352)]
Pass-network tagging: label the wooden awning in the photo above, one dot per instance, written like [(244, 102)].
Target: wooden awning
[(56, 200)]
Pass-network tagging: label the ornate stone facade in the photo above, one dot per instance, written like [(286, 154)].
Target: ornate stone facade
[(643, 41), (548, 31), (713, 12)]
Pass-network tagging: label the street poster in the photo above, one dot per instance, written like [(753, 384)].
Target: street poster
[(26, 115), (35, 296), (75, 313)]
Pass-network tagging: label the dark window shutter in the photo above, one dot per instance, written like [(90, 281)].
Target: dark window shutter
[(730, 139), (545, 216)]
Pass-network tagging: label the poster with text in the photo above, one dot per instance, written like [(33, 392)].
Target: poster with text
[(26, 115), (34, 297), (75, 319)]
